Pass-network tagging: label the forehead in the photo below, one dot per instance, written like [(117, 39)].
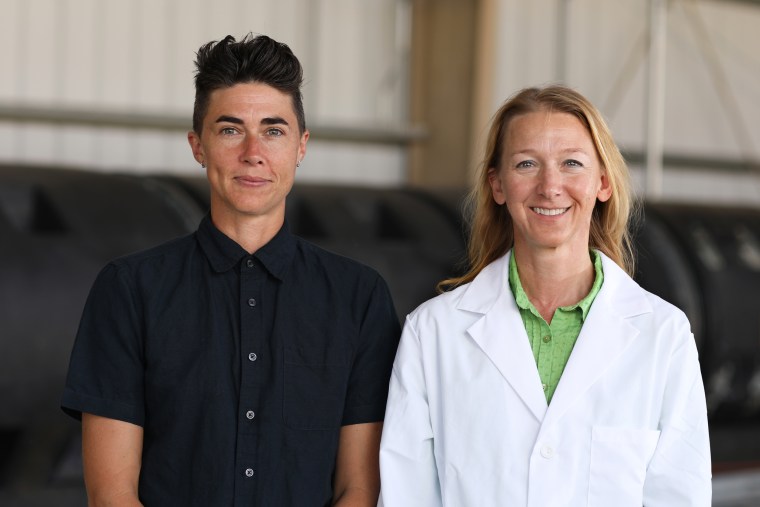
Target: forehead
[(250, 99), (546, 123)]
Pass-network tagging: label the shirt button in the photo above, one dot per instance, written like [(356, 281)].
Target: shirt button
[(251, 302), (547, 339), (252, 356), (249, 263), (250, 414), (249, 472), (547, 452)]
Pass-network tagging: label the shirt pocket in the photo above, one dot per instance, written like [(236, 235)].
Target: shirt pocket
[(315, 387), (619, 461)]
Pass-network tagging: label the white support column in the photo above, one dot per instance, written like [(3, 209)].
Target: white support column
[(656, 97), (563, 13)]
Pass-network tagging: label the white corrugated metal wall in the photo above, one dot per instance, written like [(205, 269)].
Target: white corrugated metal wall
[(136, 58), (712, 97), (72, 57)]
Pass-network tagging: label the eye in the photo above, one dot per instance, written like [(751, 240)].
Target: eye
[(525, 164), (573, 163), (228, 131), (275, 132)]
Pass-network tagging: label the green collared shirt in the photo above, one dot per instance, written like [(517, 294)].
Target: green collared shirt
[(553, 343)]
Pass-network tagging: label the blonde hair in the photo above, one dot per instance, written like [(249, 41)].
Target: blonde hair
[(491, 230)]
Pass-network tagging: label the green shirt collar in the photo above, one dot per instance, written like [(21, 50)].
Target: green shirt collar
[(584, 304)]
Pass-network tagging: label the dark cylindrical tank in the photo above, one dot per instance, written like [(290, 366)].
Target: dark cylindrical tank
[(716, 279), (59, 227)]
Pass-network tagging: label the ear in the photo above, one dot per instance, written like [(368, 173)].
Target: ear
[(302, 145), (605, 190), (496, 191), (195, 146)]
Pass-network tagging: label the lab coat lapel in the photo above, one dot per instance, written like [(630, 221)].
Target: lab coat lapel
[(500, 333), (605, 335)]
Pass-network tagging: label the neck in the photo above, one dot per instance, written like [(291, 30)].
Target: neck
[(250, 232), (554, 278)]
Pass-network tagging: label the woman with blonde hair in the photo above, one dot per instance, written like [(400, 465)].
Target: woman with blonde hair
[(545, 375)]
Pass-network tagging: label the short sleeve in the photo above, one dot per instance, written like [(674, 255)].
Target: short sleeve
[(105, 375), (378, 339)]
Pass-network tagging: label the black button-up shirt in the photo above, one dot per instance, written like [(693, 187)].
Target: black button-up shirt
[(240, 368)]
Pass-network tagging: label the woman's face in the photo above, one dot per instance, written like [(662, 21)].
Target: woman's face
[(250, 145), (550, 178)]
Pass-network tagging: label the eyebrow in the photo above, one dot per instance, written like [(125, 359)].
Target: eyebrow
[(531, 151), (229, 119), (579, 151), (275, 120)]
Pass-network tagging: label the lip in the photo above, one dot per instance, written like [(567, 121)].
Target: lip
[(549, 212), (252, 180)]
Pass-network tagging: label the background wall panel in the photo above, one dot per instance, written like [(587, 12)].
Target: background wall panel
[(110, 56), (71, 57), (712, 101)]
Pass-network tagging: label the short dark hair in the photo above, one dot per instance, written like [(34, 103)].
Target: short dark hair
[(253, 59)]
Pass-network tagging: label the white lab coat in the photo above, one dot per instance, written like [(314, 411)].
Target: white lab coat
[(467, 423)]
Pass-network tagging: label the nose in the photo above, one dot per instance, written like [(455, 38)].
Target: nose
[(549, 182), (251, 150)]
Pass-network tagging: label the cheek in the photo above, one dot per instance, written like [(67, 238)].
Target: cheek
[(213, 153), (586, 191), (516, 189), (512, 210), (514, 198), (596, 192)]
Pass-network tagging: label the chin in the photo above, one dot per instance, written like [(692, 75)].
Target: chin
[(549, 244)]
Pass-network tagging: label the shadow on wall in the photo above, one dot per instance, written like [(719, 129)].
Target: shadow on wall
[(59, 228)]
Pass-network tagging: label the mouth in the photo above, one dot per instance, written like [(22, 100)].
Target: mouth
[(252, 180), (550, 211)]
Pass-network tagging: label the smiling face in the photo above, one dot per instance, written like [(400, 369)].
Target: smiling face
[(250, 145), (550, 178)]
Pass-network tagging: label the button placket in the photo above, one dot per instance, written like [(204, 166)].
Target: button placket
[(252, 290)]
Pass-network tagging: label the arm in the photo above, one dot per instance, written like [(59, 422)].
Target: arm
[(680, 470), (357, 470), (111, 455), (408, 471)]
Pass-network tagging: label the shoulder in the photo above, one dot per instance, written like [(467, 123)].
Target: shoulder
[(156, 262), (629, 293), (466, 303), (667, 318), (172, 248), (439, 309), (317, 260), (648, 311), (327, 280)]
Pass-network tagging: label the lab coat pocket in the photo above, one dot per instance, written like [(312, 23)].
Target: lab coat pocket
[(619, 461)]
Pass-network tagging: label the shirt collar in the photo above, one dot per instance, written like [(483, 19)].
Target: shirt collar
[(278, 254), (521, 298), (224, 253)]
